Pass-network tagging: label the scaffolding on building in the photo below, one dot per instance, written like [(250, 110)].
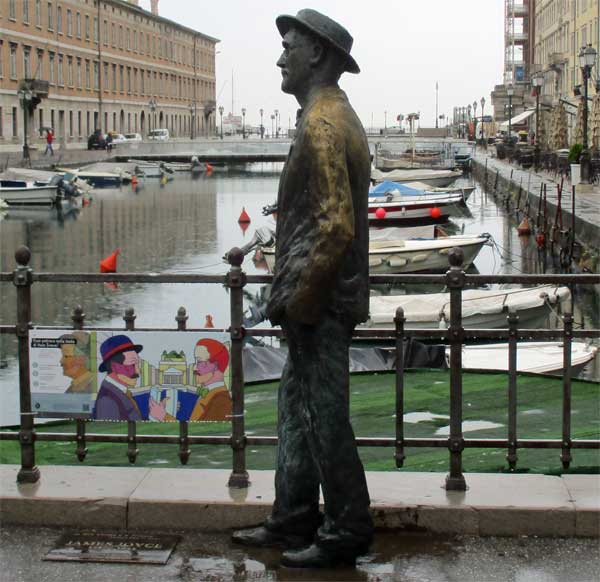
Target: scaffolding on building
[(516, 41)]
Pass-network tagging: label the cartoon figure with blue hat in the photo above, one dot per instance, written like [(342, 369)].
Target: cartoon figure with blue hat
[(121, 362)]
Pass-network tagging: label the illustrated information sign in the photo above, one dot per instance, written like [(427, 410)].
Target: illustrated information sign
[(137, 375)]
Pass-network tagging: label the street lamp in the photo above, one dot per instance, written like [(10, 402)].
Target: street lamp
[(262, 127), (475, 119), (152, 105), (587, 59), (483, 126), (272, 125), (221, 109), (510, 91), (277, 123), (193, 118), (243, 123), (538, 82), (25, 96)]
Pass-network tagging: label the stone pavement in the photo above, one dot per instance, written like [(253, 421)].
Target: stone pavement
[(191, 499), (393, 557)]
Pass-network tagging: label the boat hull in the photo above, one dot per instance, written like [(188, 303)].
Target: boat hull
[(34, 195)]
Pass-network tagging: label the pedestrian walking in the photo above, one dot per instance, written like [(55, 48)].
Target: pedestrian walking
[(49, 140)]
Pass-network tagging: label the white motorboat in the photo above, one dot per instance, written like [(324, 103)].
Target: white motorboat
[(398, 208), (412, 255), (24, 192), (532, 357), (438, 178), (394, 233), (481, 308), (99, 179)]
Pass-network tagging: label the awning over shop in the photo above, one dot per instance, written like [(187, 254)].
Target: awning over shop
[(517, 119)]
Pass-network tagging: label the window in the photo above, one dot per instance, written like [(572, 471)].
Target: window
[(114, 34), (60, 76), (69, 23), (78, 25), (12, 10), (96, 75), (38, 13), (105, 82), (142, 81), (71, 123), (128, 39), (88, 75), (26, 11), (13, 61), (121, 78), (15, 127), (114, 78), (40, 64), (120, 37), (135, 46), (59, 28), (50, 24), (87, 27), (96, 29), (1, 117), (135, 80), (78, 78), (51, 63), (70, 71), (105, 33)]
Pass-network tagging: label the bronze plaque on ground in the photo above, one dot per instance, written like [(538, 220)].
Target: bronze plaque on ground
[(109, 547)]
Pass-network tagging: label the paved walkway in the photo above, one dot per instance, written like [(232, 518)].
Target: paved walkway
[(142, 498)]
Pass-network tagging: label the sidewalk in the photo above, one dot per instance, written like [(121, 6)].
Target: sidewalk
[(147, 499)]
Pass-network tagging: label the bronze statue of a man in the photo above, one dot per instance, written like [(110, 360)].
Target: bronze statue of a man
[(320, 292)]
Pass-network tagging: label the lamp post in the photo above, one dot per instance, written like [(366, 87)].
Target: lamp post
[(243, 123), (272, 124), (276, 123), (510, 91), (221, 109), (537, 81), (475, 119), (587, 59), (193, 118), (25, 96), (468, 119), (483, 126), (152, 105), (262, 127)]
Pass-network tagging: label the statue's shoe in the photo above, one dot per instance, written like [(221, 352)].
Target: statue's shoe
[(262, 537), (317, 557)]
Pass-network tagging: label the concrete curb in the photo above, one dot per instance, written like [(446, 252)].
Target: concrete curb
[(140, 498)]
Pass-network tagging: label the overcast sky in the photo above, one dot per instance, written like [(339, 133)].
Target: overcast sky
[(402, 47)]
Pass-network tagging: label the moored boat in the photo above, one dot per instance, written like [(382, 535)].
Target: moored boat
[(19, 192), (481, 308), (532, 357), (438, 178)]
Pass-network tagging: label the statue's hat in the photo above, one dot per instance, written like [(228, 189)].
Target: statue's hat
[(323, 27)]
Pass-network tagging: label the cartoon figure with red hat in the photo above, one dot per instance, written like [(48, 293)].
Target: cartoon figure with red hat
[(121, 362), (212, 359)]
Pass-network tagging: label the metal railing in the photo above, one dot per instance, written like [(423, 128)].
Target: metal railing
[(235, 280)]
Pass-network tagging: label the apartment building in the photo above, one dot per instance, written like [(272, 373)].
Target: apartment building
[(109, 64)]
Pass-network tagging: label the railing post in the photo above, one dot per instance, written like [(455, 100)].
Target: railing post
[(565, 456), (132, 450), (455, 281), (184, 441), (23, 279), (511, 457), (236, 280), (399, 320), (78, 319)]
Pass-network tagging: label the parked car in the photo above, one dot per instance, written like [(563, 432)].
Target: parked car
[(133, 137), (116, 138), (160, 134), (96, 141)]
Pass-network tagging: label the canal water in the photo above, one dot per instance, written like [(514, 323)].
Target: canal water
[(186, 226)]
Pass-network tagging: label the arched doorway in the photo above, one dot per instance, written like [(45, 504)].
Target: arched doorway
[(142, 123), (122, 122), (160, 120)]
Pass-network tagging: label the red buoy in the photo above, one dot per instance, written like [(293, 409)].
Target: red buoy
[(208, 168), (380, 213), (244, 218), (524, 228), (435, 212), (109, 264)]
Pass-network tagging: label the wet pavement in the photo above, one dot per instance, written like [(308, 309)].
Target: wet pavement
[(402, 557)]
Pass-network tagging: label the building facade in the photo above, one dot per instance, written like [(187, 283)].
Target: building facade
[(109, 65), (555, 32)]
